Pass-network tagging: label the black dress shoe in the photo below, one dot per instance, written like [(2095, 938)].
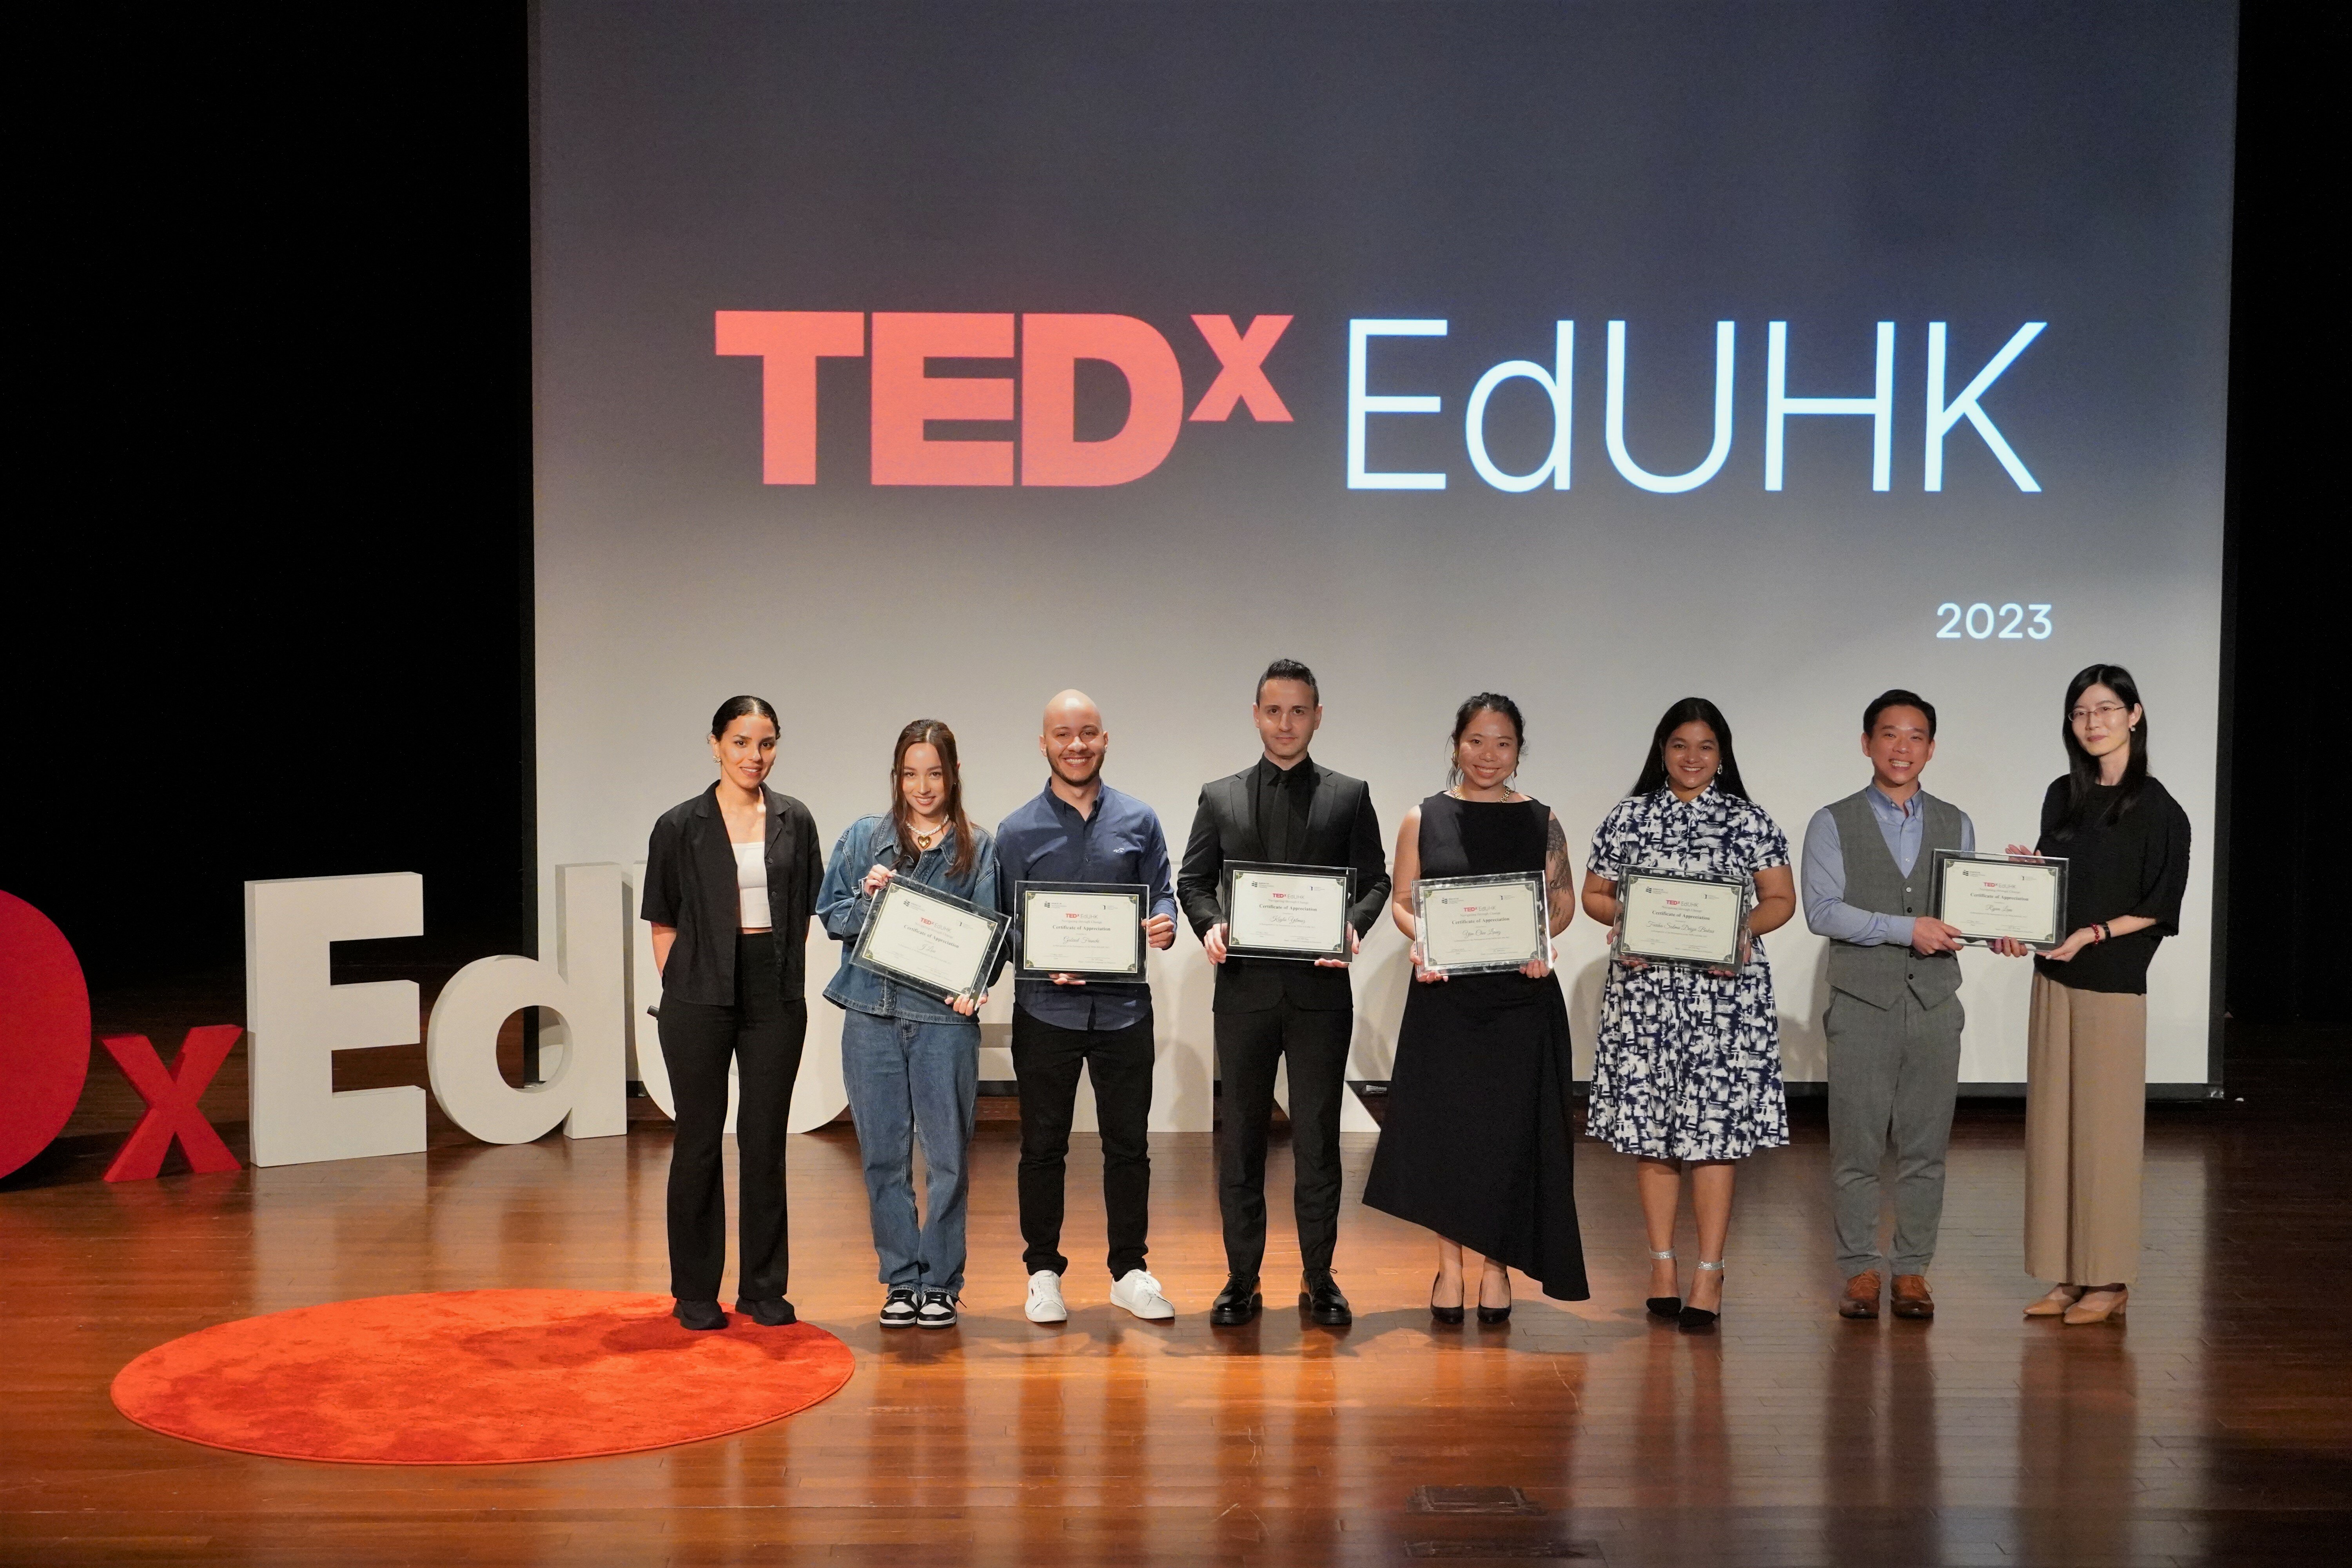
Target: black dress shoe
[(1449, 1316), (1696, 1319), (1319, 1294), (1665, 1306), (769, 1314), (1237, 1303), (700, 1315)]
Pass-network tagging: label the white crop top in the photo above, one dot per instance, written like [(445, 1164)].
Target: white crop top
[(751, 884)]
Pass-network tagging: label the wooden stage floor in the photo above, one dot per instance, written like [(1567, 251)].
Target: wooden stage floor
[(2215, 1426)]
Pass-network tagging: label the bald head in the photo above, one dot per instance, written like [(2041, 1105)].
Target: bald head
[(1074, 739)]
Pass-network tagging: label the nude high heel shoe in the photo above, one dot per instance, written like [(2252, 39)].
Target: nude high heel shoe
[(2098, 1306), (2055, 1304)]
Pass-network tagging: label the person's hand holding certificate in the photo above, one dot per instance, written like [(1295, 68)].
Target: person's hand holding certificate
[(1989, 897), (1472, 925), (1075, 932), (934, 941)]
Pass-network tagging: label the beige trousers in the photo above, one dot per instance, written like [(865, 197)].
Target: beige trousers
[(2085, 1120)]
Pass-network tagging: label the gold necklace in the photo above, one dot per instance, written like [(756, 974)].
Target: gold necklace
[(925, 840)]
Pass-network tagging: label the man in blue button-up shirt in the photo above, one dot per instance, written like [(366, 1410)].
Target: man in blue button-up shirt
[(1894, 1015), (1080, 830)]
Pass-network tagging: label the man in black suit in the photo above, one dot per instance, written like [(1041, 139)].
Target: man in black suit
[(1284, 809)]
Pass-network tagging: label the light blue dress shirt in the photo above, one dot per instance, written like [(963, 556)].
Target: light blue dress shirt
[(1826, 911)]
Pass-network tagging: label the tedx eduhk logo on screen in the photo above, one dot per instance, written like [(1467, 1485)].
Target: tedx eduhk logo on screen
[(1040, 397)]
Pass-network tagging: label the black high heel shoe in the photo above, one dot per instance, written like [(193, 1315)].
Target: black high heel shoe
[(1490, 1316), (1663, 1306), (1699, 1320), (1449, 1316)]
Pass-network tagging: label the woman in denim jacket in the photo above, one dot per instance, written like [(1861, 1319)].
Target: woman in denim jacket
[(910, 1061)]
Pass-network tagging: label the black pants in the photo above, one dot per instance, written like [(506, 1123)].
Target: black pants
[(1249, 1047), (1046, 1057), (763, 1034)]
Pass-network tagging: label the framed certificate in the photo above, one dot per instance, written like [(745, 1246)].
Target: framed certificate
[(1673, 919), (1093, 929), (933, 941), (1988, 896), (1472, 924), (1297, 912)]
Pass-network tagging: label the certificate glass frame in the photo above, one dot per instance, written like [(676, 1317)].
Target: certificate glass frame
[(1482, 925), (1245, 883), (1035, 900), (888, 945), (1647, 923), (2013, 909)]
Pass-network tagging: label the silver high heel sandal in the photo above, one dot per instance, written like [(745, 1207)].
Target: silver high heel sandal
[(1699, 1320), (1663, 1306)]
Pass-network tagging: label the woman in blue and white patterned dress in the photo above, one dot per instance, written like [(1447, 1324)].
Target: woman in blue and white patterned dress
[(1686, 1068)]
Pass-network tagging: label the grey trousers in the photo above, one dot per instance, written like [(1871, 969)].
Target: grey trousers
[(1893, 1074)]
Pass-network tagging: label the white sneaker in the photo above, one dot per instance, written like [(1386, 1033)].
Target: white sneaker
[(1046, 1299), (1139, 1293), (935, 1310)]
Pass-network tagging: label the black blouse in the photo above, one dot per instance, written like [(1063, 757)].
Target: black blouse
[(2136, 864), (690, 884)]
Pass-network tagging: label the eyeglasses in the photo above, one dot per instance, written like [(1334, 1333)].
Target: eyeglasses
[(2107, 710)]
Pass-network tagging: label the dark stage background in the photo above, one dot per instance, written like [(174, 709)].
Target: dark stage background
[(276, 621)]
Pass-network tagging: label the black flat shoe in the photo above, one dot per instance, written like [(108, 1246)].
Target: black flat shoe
[(700, 1315), (1237, 1303), (1319, 1294), (772, 1314), (1696, 1319), (1449, 1316), (1663, 1306)]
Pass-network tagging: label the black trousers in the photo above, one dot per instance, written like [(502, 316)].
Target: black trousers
[(1118, 1062), (763, 1034), (1249, 1047)]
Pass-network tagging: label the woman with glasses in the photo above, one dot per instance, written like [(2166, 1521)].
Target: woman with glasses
[(2126, 841), (1687, 1067), (910, 1061)]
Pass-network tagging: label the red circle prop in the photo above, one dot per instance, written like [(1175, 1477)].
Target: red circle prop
[(44, 1031), (476, 1377)]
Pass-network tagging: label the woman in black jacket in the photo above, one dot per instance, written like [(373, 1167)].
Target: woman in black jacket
[(730, 882)]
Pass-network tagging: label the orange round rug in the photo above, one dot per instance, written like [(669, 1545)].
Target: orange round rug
[(476, 1377)]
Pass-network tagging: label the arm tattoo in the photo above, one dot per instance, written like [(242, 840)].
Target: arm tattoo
[(1557, 871)]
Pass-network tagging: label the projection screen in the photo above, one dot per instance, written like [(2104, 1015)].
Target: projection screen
[(900, 360)]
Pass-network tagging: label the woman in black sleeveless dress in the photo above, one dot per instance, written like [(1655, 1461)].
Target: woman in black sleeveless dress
[(1477, 1143)]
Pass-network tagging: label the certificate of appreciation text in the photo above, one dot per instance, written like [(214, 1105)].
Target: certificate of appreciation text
[(1991, 896), (932, 940), (1470, 924), (1681, 920), (1091, 930), (1286, 912)]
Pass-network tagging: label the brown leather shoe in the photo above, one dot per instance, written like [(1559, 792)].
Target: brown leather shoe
[(1911, 1298), (1861, 1300)]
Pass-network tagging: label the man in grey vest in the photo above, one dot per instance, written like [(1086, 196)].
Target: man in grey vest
[(1895, 1016)]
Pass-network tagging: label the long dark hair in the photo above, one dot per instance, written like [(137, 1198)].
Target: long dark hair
[(2081, 768), (1689, 710), (1472, 705), (931, 732)]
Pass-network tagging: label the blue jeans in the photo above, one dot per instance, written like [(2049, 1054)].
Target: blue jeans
[(910, 1080)]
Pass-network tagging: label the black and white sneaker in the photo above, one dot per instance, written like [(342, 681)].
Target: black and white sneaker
[(898, 1308), (938, 1310)]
